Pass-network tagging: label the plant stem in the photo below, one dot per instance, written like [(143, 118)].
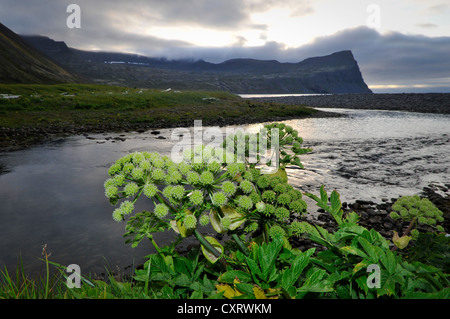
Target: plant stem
[(154, 244), (266, 233), (44, 252), (240, 244), (206, 244), (410, 226)]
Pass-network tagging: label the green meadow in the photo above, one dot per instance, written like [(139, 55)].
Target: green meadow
[(75, 105)]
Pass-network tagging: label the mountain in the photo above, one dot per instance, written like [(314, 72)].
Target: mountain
[(335, 73), (20, 62)]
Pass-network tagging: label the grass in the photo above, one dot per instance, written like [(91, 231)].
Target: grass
[(74, 105), (53, 285)]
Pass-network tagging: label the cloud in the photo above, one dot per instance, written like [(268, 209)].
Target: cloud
[(392, 59), (426, 25), (385, 59)]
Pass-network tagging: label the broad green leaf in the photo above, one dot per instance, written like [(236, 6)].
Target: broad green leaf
[(245, 288), (368, 248), (335, 202), (388, 261), (267, 256), (362, 284), (352, 218), (388, 283), (324, 233), (182, 280), (323, 194), (254, 269), (314, 278), (231, 275), (291, 275), (169, 262), (359, 266), (354, 251), (314, 283)]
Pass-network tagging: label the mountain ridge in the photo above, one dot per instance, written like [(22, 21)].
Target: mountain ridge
[(334, 73)]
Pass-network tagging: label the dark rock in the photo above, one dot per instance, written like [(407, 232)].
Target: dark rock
[(388, 225), (364, 202), (363, 214)]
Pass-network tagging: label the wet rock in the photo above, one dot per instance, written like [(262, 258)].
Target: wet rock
[(388, 225), (371, 212), (376, 216)]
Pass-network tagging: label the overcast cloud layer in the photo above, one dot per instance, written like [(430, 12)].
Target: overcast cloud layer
[(408, 62)]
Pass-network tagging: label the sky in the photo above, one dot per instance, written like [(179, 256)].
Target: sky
[(400, 45)]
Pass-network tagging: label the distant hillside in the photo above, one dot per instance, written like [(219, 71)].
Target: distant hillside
[(21, 63), (335, 73)]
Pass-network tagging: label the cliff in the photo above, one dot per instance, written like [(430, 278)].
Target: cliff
[(335, 73)]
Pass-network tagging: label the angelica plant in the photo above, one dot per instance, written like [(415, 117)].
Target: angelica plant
[(271, 206), (185, 195), (286, 143), (418, 212), (290, 144), (210, 185)]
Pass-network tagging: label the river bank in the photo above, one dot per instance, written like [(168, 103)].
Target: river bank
[(438, 103), (13, 139), (40, 113)]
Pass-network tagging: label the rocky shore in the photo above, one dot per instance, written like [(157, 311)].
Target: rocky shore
[(410, 102), (376, 215), (12, 139)]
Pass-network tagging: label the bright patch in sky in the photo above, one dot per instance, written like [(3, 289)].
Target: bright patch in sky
[(195, 35)]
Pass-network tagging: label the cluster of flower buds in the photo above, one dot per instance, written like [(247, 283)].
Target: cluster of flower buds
[(422, 210)]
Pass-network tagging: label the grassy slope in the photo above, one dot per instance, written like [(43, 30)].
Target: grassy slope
[(21, 63)]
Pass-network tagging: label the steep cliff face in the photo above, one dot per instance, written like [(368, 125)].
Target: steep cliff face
[(22, 63), (335, 73)]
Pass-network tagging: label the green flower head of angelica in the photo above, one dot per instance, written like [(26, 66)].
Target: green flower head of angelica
[(161, 210)]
